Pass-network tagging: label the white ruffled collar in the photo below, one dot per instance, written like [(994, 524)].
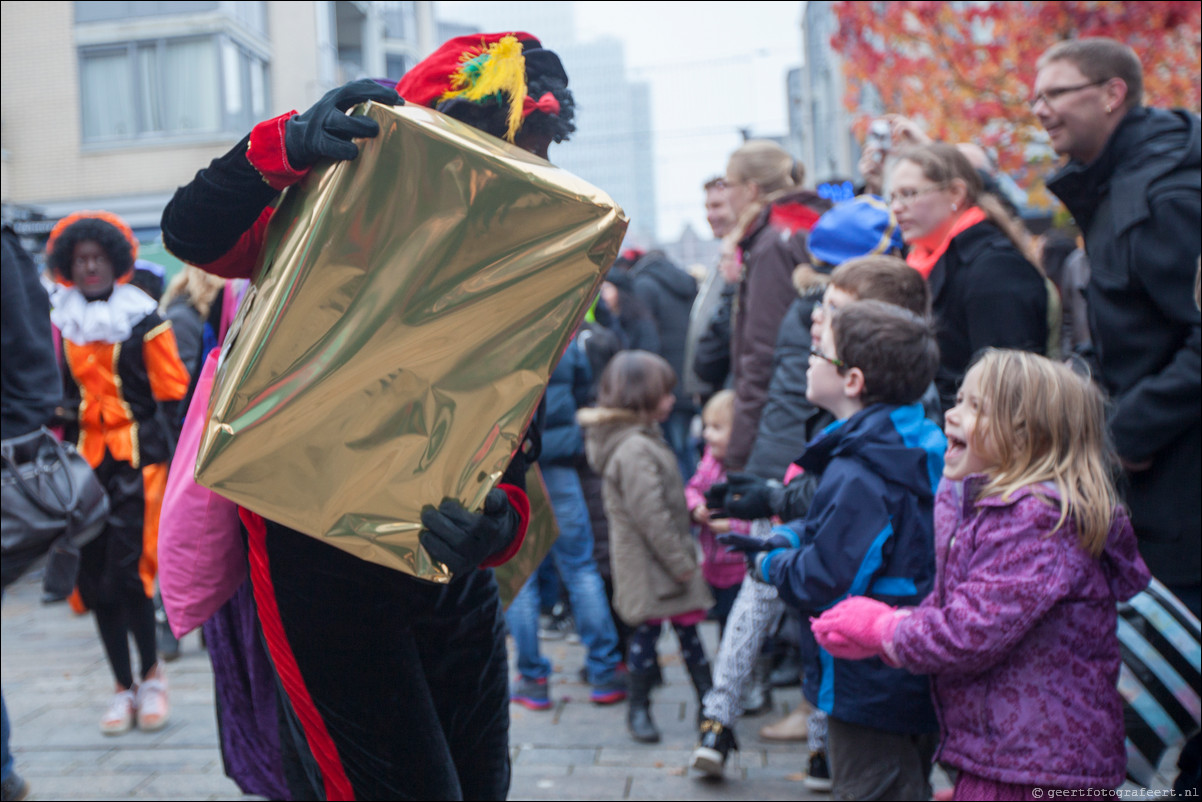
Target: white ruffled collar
[(111, 320)]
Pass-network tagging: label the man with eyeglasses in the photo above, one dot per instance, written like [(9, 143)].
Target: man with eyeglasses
[(1132, 182)]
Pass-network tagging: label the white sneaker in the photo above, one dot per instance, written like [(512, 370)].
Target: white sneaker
[(153, 710), (119, 718)]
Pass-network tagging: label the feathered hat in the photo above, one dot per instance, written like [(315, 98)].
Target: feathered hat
[(486, 68)]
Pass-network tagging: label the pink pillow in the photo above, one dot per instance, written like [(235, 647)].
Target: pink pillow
[(202, 558)]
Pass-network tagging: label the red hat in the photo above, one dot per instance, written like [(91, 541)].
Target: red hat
[(486, 68), (430, 79)]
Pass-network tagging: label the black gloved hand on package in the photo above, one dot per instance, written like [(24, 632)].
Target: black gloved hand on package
[(325, 131), (461, 540)]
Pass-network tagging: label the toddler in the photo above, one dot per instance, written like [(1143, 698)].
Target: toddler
[(722, 570), (652, 553), (1032, 554)]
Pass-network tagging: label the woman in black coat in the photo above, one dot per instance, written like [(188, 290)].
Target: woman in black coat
[(985, 289)]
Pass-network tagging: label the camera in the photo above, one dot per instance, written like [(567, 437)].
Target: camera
[(880, 136)]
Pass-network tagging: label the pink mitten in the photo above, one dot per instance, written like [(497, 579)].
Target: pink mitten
[(855, 628), (839, 646)]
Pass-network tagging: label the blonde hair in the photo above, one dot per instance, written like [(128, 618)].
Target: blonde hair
[(768, 166), (720, 403), (1044, 423), (199, 287)]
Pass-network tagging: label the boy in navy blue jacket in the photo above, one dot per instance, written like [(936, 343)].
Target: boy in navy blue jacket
[(869, 531)]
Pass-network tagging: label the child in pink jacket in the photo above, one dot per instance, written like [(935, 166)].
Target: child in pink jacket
[(722, 569), (1032, 553)]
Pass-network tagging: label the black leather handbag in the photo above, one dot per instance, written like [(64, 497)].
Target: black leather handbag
[(49, 499)]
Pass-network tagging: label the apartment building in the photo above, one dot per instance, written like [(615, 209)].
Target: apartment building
[(114, 104)]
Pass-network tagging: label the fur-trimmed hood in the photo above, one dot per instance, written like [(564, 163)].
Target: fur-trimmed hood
[(810, 282), (605, 428)]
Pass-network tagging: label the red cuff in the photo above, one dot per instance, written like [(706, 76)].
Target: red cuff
[(240, 261), (517, 497), (267, 153)]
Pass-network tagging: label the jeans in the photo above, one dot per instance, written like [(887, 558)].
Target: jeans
[(676, 432), (573, 556), (8, 756)]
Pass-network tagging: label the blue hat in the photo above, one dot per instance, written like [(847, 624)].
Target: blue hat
[(859, 227)]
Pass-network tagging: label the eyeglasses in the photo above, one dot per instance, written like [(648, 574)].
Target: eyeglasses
[(823, 309), (838, 363), (1048, 95), (904, 197)]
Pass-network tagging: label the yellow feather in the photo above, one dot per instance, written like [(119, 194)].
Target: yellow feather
[(503, 71)]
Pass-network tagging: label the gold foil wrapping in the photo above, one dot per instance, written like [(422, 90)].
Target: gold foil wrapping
[(408, 309), (540, 536)]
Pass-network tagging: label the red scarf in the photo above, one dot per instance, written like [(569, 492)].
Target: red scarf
[(926, 251)]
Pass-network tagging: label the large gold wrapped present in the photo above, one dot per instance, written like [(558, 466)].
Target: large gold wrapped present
[(408, 309)]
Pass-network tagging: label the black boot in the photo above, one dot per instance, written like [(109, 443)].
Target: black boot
[(638, 711), (702, 682)]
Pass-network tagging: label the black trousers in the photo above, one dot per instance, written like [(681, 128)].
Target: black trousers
[(394, 688)]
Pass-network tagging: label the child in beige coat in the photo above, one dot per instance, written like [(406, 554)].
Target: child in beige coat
[(653, 556)]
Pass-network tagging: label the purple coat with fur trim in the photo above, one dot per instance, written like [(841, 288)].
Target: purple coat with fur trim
[(1019, 637)]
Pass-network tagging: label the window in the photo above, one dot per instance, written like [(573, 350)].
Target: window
[(397, 65), (400, 20), (170, 88), (110, 10)]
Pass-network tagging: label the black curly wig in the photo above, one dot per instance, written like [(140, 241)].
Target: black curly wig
[(105, 234), (490, 117)]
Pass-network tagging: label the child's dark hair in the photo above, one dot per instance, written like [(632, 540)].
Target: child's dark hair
[(635, 381), (106, 235), (886, 279), (491, 116), (894, 348)]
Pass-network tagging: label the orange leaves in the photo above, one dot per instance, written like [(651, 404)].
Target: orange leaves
[(966, 69)]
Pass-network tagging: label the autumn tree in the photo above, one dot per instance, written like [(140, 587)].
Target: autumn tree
[(965, 69)]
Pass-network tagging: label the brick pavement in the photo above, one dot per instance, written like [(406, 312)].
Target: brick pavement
[(56, 684)]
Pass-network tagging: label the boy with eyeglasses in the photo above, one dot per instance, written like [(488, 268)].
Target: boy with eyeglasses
[(868, 530)]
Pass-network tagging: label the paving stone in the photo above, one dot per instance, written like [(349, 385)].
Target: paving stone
[(550, 756), (56, 684)]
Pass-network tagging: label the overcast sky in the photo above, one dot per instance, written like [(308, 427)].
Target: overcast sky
[(714, 68)]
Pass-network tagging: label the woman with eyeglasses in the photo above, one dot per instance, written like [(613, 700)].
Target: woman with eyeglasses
[(986, 290)]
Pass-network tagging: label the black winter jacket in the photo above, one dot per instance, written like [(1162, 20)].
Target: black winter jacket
[(30, 385), (711, 363), (984, 293), (668, 293), (1139, 205)]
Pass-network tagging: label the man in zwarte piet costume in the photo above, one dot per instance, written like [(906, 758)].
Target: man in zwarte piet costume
[(393, 687)]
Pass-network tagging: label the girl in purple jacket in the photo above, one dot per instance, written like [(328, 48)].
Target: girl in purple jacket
[(1032, 552)]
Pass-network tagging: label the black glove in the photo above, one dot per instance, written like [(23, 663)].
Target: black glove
[(754, 550), (324, 131), (748, 545), (715, 499), (461, 540), (749, 497)]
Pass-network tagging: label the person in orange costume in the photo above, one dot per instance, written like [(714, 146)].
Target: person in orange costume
[(121, 363)]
